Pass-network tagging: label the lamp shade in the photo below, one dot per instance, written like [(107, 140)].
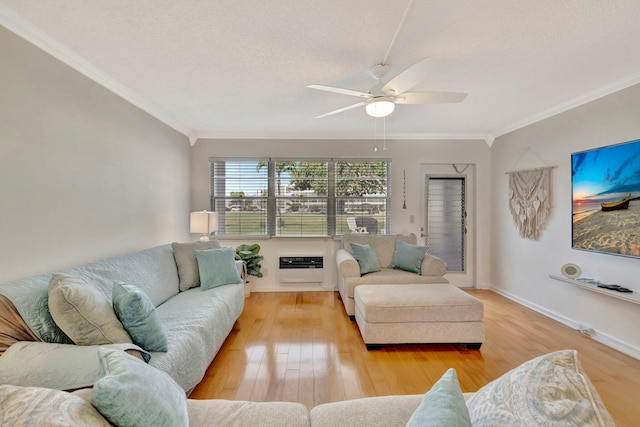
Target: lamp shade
[(380, 107), (203, 222)]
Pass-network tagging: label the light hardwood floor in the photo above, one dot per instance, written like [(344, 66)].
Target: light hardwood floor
[(302, 347)]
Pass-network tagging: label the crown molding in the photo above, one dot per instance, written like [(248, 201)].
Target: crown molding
[(31, 33), (600, 92), (204, 134)]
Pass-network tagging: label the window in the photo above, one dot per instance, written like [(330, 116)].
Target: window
[(299, 197)]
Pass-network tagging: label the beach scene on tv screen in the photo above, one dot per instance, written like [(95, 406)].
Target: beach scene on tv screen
[(606, 199)]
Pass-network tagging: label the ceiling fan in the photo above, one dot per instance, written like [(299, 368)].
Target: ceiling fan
[(383, 97)]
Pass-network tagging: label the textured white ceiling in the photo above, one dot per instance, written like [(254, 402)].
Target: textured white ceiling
[(239, 68)]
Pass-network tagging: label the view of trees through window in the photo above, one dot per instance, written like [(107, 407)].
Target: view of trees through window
[(302, 198)]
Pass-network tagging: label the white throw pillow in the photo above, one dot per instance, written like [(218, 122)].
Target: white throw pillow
[(84, 313)]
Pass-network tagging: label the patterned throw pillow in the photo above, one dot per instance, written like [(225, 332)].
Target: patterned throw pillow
[(34, 406), (84, 313), (550, 390)]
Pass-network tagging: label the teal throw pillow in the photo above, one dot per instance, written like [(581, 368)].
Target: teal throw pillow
[(132, 393), (408, 257), (138, 315), (443, 405), (366, 257), (217, 267)]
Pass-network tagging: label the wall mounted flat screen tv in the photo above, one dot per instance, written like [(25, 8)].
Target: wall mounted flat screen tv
[(606, 199)]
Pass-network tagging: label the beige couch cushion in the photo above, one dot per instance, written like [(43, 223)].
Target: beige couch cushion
[(417, 303), (220, 412), (390, 276), (388, 411)]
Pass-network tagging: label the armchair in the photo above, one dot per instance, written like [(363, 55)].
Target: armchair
[(349, 277)]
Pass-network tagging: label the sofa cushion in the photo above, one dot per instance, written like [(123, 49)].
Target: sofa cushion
[(58, 366), (384, 244), (84, 313), (34, 406), (219, 412), (366, 257), (217, 267), (550, 390), (132, 393), (387, 276), (138, 316), (387, 411), (408, 257), (196, 323), (187, 263), (443, 405)]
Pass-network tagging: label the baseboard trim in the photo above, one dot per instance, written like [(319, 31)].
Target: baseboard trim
[(600, 337), (292, 288)]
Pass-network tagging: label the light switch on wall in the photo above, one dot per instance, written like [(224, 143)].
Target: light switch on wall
[(412, 219)]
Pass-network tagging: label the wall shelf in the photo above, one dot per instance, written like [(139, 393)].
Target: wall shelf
[(631, 297)]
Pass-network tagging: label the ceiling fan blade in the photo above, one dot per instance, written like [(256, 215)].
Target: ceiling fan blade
[(340, 110), (430, 97), (340, 90), (408, 78)]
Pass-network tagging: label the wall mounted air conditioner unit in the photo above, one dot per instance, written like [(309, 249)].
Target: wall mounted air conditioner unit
[(301, 269)]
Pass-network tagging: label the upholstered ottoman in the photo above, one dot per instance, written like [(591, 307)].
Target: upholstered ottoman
[(422, 313)]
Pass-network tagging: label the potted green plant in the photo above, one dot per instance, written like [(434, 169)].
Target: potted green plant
[(249, 254)]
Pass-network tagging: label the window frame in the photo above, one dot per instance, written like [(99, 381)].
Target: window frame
[(272, 199)]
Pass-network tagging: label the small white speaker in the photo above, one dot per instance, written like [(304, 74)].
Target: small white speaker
[(571, 271)]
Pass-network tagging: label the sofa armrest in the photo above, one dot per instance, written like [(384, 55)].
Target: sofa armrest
[(241, 266), (347, 264), (433, 266)]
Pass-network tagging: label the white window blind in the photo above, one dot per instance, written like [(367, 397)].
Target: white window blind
[(446, 221), (299, 197)]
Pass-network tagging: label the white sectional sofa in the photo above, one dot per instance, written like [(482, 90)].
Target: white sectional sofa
[(195, 322), (550, 390)]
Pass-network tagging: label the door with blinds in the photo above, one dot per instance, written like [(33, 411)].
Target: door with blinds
[(448, 229)]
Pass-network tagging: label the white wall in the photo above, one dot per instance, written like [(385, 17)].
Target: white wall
[(83, 174), (405, 155), (521, 267)]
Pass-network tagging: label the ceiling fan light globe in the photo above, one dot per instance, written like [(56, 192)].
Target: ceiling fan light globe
[(380, 108)]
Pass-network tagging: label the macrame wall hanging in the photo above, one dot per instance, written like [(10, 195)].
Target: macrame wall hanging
[(530, 199)]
